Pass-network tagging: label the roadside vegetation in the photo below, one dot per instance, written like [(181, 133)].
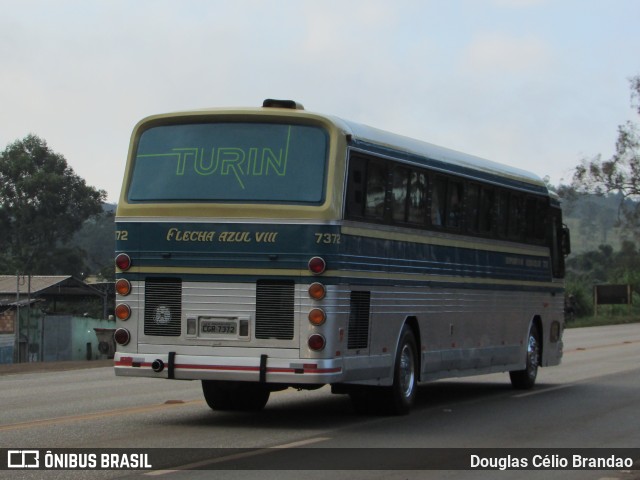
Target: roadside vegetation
[(602, 207)]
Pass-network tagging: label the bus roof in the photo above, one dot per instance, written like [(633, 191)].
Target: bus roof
[(389, 144), (441, 158)]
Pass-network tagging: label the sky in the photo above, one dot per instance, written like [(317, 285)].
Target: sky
[(535, 84)]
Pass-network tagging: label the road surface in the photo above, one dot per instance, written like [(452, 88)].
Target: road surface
[(591, 400)]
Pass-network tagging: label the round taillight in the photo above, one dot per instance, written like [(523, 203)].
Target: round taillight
[(317, 291), (123, 261), (122, 336), (316, 342), (123, 311), (317, 265), (317, 316), (123, 287)]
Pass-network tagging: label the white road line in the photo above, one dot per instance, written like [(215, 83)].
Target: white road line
[(539, 391), (545, 390), (238, 456)]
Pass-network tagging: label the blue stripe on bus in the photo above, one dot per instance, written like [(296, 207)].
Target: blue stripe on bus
[(153, 246)]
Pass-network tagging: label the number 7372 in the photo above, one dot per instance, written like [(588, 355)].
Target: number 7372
[(328, 238)]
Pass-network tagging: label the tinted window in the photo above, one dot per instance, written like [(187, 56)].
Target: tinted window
[(473, 204), (502, 213), (485, 219), (239, 162), (376, 191), (454, 204), (438, 201), (399, 186), (417, 197)]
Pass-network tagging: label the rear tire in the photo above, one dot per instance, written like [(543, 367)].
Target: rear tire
[(402, 394), (526, 379), (235, 396), (399, 397)]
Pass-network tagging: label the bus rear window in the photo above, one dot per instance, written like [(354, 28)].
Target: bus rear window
[(230, 162)]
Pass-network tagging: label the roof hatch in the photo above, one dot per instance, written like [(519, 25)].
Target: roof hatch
[(273, 103)]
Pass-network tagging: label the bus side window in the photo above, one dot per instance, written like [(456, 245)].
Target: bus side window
[(486, 210), (375, 191), (417, 198), (502, 213), (536, 214), (515, 216), (399, 187), (473, 201), (454, 204), (356, 187), (438, 201)]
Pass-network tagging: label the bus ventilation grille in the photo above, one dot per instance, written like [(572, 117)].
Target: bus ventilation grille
[(163, 307), (275, 309), (358, 333)]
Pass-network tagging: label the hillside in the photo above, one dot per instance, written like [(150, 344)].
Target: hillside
[(593, 221)]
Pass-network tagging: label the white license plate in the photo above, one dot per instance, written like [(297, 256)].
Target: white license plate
[(217, 327)]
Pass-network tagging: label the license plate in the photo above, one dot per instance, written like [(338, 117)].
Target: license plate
[(217, 327)]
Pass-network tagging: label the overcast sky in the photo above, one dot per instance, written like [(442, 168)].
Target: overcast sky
[(536, 84)]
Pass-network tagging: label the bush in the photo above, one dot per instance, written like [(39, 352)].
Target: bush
[(578, 297)]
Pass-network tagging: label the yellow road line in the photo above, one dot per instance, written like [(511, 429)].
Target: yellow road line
[(95, 415)]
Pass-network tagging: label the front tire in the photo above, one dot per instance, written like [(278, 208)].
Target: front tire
[(526, 379), (235, 396)]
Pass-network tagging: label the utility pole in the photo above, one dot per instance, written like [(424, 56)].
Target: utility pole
[(16, 323)]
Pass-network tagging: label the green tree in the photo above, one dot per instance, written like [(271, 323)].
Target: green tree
[(42, 204), (97, 239), (619, 174)]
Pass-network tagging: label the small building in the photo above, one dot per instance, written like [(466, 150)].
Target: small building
[(47, 318)]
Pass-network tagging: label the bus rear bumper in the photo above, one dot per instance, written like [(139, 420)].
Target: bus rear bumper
[(249, 369)]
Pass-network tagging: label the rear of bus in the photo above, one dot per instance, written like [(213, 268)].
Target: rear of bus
[(226, 225)]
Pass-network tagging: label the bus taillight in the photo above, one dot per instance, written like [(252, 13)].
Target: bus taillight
[(317, 317), (317, 291), (123, 311), (123, 287), (316, 342), (122, 336), (317, 265), (123, 261)]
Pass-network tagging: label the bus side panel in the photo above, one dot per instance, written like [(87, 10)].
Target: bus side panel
[(474, 303)]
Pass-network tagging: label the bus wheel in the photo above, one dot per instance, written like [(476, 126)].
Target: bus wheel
[(398, 398), (402, 394), (526, 379), (235, 396)]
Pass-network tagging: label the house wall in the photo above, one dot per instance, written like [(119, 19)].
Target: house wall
[(7, 336), (66, 338), (6, 348)]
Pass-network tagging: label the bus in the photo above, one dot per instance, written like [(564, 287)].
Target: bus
[(264, 248)]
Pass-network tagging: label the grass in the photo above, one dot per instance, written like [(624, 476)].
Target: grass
[(605, 319)]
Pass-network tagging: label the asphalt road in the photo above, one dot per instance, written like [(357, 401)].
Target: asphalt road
[(591, 400)]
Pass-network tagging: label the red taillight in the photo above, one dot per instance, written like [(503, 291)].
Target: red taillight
[(123, 287), (123, 261), (122, 336), (123, 311), (316, 342), (317, 316), (317, 265)]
